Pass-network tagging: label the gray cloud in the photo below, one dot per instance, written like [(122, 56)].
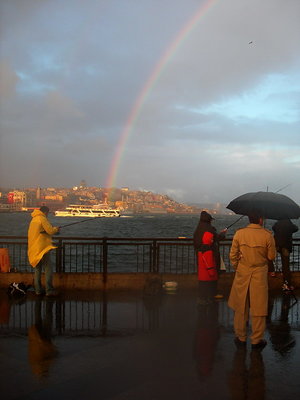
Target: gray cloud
[(8, 81)]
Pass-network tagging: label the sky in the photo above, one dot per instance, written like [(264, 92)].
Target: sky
[(195, 99)]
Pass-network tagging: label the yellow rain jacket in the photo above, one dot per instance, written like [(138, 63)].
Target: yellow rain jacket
[(39, 237)]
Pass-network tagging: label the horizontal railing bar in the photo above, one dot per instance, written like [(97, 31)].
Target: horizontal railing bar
[(122, 239)]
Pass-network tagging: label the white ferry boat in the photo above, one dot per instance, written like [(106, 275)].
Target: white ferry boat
[(99, 210)]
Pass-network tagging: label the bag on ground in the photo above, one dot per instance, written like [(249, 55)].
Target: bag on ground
[(17, 289)]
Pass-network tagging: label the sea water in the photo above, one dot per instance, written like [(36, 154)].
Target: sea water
[(136, 226)]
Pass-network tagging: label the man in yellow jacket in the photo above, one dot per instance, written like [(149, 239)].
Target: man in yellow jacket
[(39, 245), (252, 248)]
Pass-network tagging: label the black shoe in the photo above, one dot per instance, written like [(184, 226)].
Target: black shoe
[(53, 293), (40, 294), (260, 345), (240, 343)]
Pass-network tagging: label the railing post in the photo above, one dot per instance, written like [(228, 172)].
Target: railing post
[(59, 256), (105, 259), (154, 256)]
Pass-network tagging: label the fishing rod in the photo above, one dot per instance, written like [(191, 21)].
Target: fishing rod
[(229, 226), (284, 187), (74, 223), (79, 222)]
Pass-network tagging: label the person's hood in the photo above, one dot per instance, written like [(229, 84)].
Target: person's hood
[(37, 213), (205, 217)]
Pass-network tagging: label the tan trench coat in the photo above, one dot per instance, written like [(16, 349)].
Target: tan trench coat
[(251, 249), (39, 237)]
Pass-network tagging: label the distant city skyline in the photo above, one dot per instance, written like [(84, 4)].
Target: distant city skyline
[(122, 199), (89, 187), (198, 100)]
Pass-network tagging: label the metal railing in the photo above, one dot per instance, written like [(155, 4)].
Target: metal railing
[(123, 255)]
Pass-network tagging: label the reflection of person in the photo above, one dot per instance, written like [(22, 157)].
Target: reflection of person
[(41, 350), (5, 305), (251, 249), (39, 246), (247, 383), (207, 336), (280, 330), (283, 233), (206, 244)]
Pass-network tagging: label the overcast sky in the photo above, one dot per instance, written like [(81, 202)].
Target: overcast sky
[(220, 117)]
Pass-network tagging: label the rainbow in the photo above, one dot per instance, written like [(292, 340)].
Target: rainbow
[(148, 86)]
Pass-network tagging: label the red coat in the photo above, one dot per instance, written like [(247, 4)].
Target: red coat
[(207, 267)]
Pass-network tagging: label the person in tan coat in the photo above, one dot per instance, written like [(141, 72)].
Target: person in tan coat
[(40, 233), (252, 248)]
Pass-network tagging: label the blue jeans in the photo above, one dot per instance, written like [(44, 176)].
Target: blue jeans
[(45, 264)]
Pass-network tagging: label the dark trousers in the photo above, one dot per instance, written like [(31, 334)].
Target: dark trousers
[(285, 262), (207, 290)]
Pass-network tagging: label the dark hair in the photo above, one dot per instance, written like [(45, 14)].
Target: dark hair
[(44, 209), (254, 218)]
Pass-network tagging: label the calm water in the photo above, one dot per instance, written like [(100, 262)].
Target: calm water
[(144, 226)]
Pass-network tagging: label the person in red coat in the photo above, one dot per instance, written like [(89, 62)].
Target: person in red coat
[(206, 245)]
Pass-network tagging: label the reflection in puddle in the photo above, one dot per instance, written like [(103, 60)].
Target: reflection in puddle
[(111, 314), (206, 338), (247, 382), (279, 325), (41, 350), (166, 337)]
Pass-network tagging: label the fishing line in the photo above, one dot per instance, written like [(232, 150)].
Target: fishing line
[(79, 222), (284, 187), (229, 226)]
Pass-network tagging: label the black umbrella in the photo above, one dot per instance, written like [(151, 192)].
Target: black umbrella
[(268, 204)]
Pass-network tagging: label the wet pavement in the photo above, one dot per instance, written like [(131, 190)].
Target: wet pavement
[(130, 345)]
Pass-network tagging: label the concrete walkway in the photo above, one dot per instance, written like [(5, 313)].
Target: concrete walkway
[(126, 345)]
